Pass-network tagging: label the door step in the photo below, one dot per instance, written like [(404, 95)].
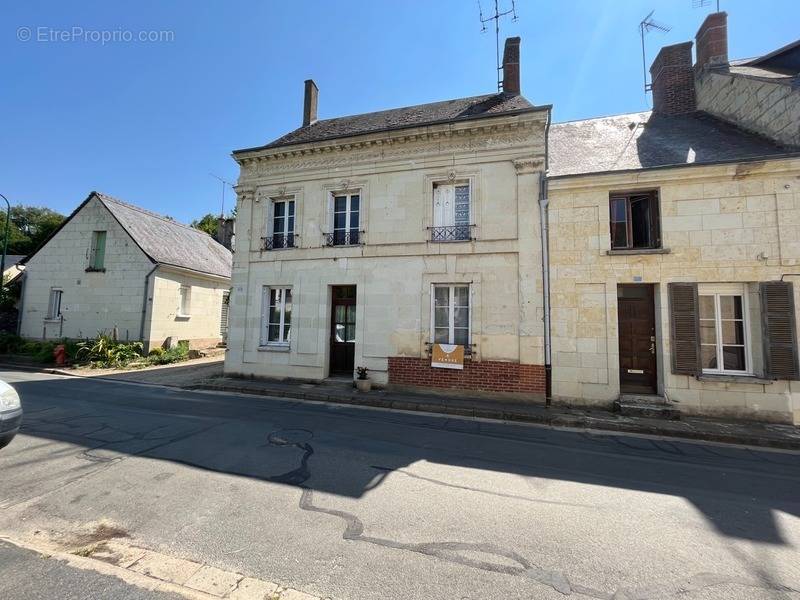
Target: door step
[(634, 405)]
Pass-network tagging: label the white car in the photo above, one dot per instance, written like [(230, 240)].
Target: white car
[(10, 413)]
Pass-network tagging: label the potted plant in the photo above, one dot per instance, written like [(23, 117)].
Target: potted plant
[(363, 382)]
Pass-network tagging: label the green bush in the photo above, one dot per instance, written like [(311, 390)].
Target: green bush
[(169, 355), (107, 352), (9, 343), (157, 351)]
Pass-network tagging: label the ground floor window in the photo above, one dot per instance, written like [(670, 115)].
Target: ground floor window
[(724, 346), (451, 318), (184, 301), (54, 305), (276, 318)]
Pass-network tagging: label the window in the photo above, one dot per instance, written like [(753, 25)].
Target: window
[(635, 221), (185, 297), (451, 314), (450, 212), (276, 318), (97, 251), (282, 225), (346, 219), (723, 333), (54, 306)]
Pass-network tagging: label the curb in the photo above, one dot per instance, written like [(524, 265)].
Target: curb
[(506, 413)]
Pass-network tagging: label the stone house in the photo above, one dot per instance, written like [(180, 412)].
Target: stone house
[(365, 240), (114, 267), (674, 240)]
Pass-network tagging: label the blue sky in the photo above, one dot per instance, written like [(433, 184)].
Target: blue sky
[(148, 121)]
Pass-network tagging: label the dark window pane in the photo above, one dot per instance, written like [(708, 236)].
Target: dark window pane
[(339, 220), (462, 205), (732, 332), (351, 314), (461, 317), (274, 333), (350, 333), (278, 241), (730, 307), (461, 296), (339, 316), (355, 202), (280, 209), (619, 223), (441, 295), (441, 317), (287, 330), (733, 358), (274, 314), (340, 204), (291, 209), (461, 336), (290, 228), (640, 223), (708, 357)]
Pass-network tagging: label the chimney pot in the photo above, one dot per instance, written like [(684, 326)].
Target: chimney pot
[(712, 41), (511, 84), (673, 80), (310, 102)]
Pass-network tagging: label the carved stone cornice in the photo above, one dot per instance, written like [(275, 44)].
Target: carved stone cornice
[(529, 165), (244, 192)]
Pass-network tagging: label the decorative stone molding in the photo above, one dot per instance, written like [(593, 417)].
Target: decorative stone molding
[(244, 193), (525, 166)]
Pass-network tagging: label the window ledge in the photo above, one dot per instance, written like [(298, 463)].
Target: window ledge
[(638, 251), (95, 270), (274, 348), (713, 377), (52, 319), (182, 317)]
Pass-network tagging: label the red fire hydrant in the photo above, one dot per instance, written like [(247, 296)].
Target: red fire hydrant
[(60, 354)]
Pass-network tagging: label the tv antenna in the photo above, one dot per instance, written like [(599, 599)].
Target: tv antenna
[(224, 183), (647, 25), (496, 18), (703, 4)]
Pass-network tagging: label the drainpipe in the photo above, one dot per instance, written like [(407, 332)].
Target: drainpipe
[(144, 301), (543, 220)]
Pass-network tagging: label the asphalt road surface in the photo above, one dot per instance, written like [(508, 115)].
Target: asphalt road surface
[(352, 503)]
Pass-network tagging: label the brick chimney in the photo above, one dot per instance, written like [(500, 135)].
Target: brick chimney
[(310, 103), (511, 66), (673, 80), (712, 41)]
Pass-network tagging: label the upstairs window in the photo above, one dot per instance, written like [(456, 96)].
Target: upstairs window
[(184, 301), (54, 305), (346, 220), (635, 222), (451, 212), (97, 251), (282, 226)]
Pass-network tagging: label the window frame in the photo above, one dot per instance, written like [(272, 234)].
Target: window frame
[(717, 292), (266, 303), (184, 301), (348, 229), (286, 233), (654, 224), (94, 245), (437, 235), (451, 313), (57, 293)]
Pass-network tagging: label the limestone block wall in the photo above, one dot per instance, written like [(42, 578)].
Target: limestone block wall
[(202, 325), (396, 265), (720, 224), (91, 302), (765, 107)]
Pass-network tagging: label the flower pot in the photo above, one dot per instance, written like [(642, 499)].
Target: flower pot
[(363, 385)]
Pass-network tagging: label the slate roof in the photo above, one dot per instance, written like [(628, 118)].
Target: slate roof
[(168, 242), (163, 240), (461, 109), (646, 140)]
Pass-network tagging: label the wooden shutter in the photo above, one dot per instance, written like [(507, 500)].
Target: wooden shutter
[(780, 329), (684, 328)]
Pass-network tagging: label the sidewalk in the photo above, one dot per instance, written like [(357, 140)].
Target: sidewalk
[(732, 432)]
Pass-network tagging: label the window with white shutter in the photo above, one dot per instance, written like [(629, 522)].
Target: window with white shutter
[(451, 212)]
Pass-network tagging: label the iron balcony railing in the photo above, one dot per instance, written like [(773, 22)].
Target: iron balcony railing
[(343, 238), (469, 349), (278, 242), (451, 233)]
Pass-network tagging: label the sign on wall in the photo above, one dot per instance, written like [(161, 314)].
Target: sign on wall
[(447, 356)]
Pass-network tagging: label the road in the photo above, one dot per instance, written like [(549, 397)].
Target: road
[(353, 503)]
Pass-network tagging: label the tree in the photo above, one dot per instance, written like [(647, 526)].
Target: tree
[(207, 223), (29, 227)]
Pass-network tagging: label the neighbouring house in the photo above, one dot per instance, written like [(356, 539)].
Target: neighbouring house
[(13, 268), (674, 240), (367, 240), (116, 268)]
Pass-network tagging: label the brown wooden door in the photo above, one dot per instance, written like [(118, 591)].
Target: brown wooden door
[(638, 372), (343, 329)]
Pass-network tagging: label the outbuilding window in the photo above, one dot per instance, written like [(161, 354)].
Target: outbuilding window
[(54, 305), (635, 221), (185, 301), (97, 251)]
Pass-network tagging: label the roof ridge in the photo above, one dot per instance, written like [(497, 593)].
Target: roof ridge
[(636, 112), (105, 197)]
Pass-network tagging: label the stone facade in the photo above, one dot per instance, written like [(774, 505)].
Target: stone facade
[(113, 299), (721, 225), (396, 264)]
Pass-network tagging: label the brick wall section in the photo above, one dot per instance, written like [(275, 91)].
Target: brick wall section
[(672, 75), (712, 40), (484, 376)]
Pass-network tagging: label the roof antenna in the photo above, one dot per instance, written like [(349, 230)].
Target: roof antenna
[(703, 4), (496, 18), (647, 25), (224, 183)]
